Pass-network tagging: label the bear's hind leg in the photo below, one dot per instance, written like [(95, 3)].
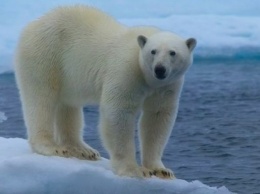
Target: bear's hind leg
[(68, 134), (39, 119)]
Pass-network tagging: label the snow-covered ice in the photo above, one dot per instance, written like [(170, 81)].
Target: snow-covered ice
[(222, 28), (22, 171)]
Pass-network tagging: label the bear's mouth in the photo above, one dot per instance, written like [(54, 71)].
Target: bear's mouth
[(160, 72)]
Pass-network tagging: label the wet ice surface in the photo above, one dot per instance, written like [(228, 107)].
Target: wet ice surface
[(2, 117)]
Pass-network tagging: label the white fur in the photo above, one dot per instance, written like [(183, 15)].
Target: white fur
[(75, 56)]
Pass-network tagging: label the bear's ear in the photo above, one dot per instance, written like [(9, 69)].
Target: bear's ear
[(191, 43), (141, 40)]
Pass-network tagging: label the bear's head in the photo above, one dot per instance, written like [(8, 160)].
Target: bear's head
[(164, 57)]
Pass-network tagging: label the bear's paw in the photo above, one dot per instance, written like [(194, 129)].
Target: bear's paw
[(163, 173), (83, 153), (135, 172)]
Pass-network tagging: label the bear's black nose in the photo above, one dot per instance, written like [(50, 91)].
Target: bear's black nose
[(160, 72)]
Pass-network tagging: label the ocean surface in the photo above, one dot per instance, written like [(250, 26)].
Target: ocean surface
[(216, 138)]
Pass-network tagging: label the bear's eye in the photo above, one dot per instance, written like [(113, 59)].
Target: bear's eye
[(172, 53), (153, 52)]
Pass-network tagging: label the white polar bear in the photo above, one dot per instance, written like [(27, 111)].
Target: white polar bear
[(78, 55)]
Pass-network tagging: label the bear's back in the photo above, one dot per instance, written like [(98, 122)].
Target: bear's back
[(67, 23), (79, 20), (73, 17), (67, 29)]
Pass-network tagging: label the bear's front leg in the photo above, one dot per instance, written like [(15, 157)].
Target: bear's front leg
[(117, 123), (159, 113)]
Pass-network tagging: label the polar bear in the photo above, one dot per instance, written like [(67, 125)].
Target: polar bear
[(78, 55)]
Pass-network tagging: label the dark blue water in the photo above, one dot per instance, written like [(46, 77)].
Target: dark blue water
[(216, 138)]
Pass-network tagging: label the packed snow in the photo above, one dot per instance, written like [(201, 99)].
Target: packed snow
[(222, 28), (22, 171)]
